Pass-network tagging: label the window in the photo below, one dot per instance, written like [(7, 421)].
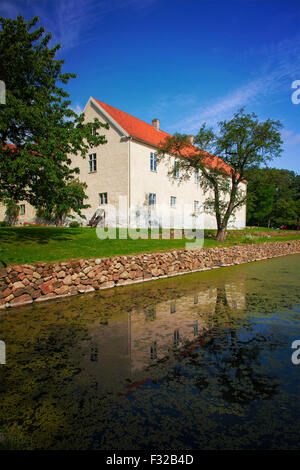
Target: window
[(152, 199), (196, 299), (151, 314), (176, 338), (195, 327), (196, 206), (22, 209), (173, 201), (102, 198), (153, 161), (94, 131), (92, 162), (173, 308), (196, 176), (176, 169), (94, 353), (153, 351)]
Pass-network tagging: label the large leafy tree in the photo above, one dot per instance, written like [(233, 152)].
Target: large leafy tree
[(38, 120), (222, 159)]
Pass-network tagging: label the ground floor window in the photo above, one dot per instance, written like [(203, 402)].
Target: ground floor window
[(22, 209), (152, 199), (173, 201), (102, 198)]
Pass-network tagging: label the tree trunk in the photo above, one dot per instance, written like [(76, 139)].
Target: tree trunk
[(221, 234)]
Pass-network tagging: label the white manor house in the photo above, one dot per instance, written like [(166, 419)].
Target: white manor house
[(123, 177)]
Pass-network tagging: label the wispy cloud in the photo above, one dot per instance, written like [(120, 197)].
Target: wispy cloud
[(71, 22), (281, 65), (290, 138)]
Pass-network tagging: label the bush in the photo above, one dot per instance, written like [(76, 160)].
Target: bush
[(4, 224), (74, 224)]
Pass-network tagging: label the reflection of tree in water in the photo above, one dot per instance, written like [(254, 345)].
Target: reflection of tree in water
[(230, 358)]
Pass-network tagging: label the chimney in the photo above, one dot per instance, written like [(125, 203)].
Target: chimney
[(155, 123), (190, 139)]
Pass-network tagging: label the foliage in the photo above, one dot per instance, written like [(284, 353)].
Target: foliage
[(273, 197), (240, 143), (74, 224), (69, 196), (37, 119), (11, 212)]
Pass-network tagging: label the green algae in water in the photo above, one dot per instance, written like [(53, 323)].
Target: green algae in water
[(201, 361)]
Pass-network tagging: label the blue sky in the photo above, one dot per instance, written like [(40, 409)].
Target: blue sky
[(184, 62)]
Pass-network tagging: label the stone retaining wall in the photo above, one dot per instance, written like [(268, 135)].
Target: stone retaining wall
[(26, 283)]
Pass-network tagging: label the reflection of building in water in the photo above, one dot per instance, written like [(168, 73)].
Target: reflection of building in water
[(133, 340), (171, 324)]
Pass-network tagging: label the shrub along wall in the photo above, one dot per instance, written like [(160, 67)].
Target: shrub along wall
[(20, 285)]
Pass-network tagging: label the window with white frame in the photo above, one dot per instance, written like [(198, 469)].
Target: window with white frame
[(152, 199), (197, 176), (92, 163), (102, 198), (176, 169), (196, 206), (153, 157), (173, 201), (22, 209)]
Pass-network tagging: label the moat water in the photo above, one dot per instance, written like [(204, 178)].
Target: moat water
[(201, 361)]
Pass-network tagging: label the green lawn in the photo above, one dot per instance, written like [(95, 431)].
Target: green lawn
[(19, 245)]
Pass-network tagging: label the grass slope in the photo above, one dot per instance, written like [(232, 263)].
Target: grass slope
[(19, 245)]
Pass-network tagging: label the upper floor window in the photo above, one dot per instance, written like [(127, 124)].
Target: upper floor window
[(94, 131), (153, 161), (152, 199), (196, 206), (92, 162), (197, 176), (173, 201), (22, 209), (102, 198), (176, 169)]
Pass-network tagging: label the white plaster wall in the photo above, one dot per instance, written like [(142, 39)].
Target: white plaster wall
[(144, 181), (111, 176)]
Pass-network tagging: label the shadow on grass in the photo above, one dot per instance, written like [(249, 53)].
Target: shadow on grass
[(41, 235)]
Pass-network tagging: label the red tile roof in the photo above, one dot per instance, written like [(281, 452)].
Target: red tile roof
[(146, 132)]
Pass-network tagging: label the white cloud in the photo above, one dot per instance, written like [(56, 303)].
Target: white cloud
[(77, 108), (290, 137)]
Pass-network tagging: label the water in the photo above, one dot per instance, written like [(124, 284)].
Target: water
[(201, 361)]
